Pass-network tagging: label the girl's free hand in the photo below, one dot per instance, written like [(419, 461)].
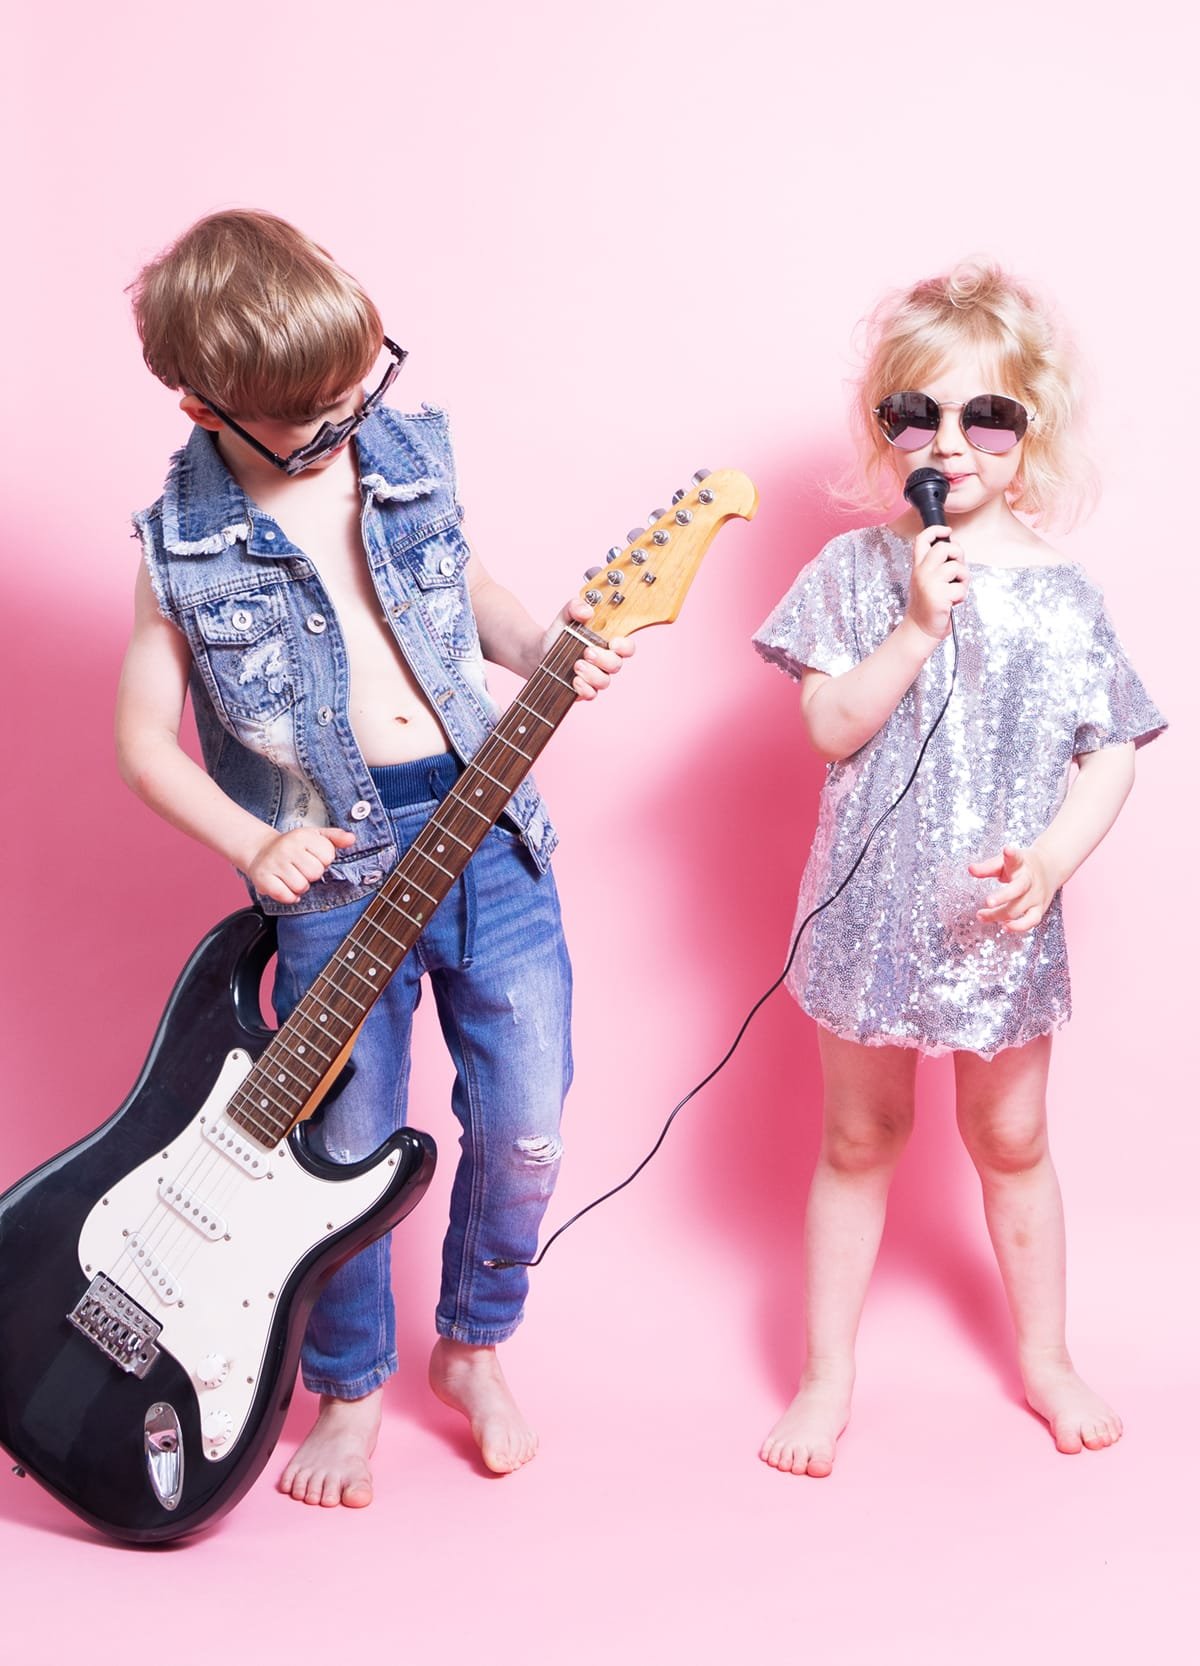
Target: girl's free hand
[(598, 666), (939, 581), (288, 863), (1026, 891)]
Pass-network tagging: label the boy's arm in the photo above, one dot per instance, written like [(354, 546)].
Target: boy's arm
[(1030, 877), (510, 636), (150, 700)]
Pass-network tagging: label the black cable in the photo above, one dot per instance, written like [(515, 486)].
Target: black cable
[(498, 1263)]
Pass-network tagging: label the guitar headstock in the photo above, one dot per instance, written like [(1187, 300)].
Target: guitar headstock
[(645, 582)]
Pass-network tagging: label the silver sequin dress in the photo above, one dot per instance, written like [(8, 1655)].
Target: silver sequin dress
[(900, 959)]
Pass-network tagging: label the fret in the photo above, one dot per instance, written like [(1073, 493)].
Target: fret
[(328, 977), (302, 1048), (512, 745), (455, 837), (533, 712)]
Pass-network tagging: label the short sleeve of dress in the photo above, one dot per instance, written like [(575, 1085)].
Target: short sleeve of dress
[(1114, 706), (814, 623)]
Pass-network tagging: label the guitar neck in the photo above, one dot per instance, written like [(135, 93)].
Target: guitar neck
[(292, 1075)]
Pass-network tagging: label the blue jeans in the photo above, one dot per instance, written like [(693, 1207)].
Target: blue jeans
[(501, 979)]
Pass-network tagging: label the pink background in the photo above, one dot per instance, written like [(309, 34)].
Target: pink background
[(621, 242)]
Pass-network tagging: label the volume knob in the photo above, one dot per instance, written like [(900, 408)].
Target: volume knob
[(212, 1370), (216, 1426)]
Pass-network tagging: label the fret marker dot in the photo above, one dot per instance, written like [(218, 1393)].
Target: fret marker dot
[(349, 954), (323, 1018), (263, 1104), (302, 1049), (282, 1076), (407, 897), (440, 849), (478, 792), (520, 728)]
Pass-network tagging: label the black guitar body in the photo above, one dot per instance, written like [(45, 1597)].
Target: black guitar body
[(92, 1432)]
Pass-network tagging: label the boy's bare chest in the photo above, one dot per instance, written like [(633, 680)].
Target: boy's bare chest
[(388, 711)]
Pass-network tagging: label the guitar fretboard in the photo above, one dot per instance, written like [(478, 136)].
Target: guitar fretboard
[(311, 1045)]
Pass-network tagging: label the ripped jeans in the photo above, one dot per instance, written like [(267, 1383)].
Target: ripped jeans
[(501, 980)]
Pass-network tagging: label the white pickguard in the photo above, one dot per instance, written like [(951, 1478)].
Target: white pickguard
[(215, 1297)]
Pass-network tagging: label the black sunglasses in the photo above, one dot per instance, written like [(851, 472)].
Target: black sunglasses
[(989, 421), (330, 435)]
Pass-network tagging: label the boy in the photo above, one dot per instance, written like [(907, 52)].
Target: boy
[(305, 576)]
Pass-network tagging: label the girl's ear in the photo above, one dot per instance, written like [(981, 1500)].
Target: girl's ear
[(193, 406)]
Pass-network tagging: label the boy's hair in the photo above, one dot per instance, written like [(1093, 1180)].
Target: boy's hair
[(246, 311), (977, 305)]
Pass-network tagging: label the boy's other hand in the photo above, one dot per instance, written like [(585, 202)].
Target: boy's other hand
[(288, 863), (598, 666)]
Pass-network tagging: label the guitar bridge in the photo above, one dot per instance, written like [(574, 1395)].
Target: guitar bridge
[(117, 1325)]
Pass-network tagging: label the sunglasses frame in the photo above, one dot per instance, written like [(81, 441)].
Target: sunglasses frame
[(940, 406), (330, 435)]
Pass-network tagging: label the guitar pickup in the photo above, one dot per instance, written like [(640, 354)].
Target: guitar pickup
[(250, 1158), (194, 1210), (117, 1326)]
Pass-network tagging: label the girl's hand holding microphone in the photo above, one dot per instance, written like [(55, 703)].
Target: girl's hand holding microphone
[(939, 581)]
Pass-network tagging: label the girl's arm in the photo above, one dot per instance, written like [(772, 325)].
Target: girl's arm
[(510, 636), (150, 700), (1032, 876), (842, 713)]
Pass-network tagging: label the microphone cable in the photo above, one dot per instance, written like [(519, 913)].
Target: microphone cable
[(499, 1263)]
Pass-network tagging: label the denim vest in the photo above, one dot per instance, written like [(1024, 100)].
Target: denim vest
[(270, 677)]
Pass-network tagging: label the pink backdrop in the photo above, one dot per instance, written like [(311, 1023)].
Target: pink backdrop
[(621, 242)]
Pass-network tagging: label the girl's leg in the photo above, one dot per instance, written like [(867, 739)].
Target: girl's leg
[(867, 1118), (1002, 1119)]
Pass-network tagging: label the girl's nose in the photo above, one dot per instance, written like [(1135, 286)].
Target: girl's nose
[(949, 437)]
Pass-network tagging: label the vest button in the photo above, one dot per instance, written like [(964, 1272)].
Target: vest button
[(269, 536), (315, 623), (360, 811), (324, 714), (241, 619), (446, 566)]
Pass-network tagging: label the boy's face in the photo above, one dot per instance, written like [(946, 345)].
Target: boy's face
[(283, 438)]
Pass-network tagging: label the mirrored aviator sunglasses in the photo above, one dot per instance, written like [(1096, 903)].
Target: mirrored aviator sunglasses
[(989, 421)]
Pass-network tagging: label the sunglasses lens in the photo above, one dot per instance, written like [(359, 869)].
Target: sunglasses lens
[(992, 422), (909, 420)]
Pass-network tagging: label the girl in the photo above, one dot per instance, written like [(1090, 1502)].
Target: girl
[(949, 937)]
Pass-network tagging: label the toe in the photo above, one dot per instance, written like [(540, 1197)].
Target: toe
[(1067, 1438), (820, 1462)]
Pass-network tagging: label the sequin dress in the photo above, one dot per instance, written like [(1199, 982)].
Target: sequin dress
[(900, 959)]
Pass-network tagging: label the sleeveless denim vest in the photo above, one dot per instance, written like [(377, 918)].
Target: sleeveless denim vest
[(270, 677)]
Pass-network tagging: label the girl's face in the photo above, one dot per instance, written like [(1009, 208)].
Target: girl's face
[(976, 478)]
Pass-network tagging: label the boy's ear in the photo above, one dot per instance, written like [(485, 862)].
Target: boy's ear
[(193, 406)]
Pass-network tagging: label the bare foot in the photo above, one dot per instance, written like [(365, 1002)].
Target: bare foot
[(470, 1380), (804, 1440), (1077, 1416), (331, 1465)]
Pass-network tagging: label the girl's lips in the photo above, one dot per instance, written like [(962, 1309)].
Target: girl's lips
[(957, 479)]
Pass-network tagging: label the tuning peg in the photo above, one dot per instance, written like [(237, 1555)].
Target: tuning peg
[(678, 497), (637, 532), (700, 474), (593, 572), (614, 553), (657, 514)]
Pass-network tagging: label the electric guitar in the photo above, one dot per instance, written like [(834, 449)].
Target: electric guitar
[(156, 1277)]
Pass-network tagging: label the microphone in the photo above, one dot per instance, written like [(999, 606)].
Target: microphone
[(926, 490)]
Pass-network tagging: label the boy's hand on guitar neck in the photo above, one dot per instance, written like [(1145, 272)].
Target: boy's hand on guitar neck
[(286, 864), (598, 666)]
